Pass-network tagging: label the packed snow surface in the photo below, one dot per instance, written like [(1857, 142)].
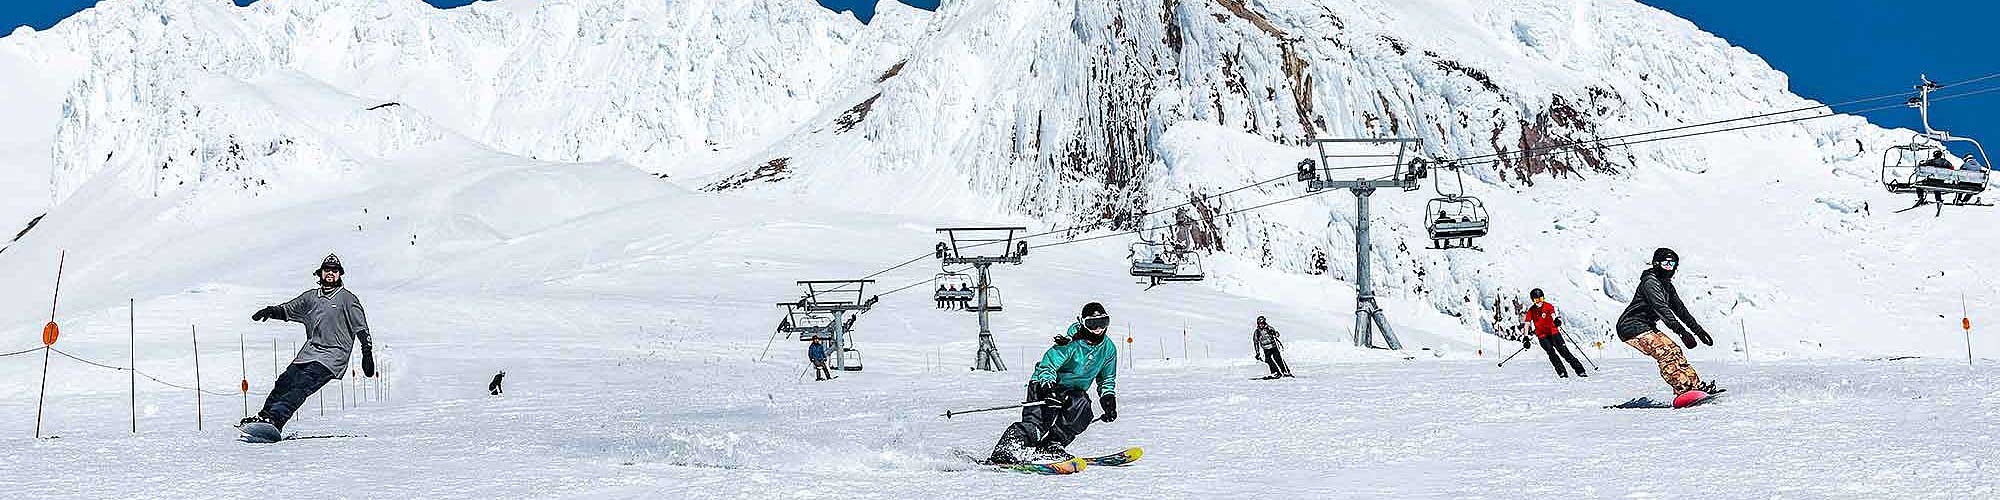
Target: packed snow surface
[(605, 199)]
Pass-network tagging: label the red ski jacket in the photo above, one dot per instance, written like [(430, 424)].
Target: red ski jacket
[(1543, 317)]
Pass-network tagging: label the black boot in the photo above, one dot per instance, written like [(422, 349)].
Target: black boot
[(253, 419), (1013, 447)]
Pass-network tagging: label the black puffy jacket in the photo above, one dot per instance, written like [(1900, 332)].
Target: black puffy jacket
[(1655, 300)]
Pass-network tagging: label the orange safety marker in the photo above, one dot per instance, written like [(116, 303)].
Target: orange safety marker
[(49, 333)]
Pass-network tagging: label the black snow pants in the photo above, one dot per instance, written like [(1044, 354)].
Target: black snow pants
[(1558, 353), (298, 382), (1044, 426), (1274, 358)]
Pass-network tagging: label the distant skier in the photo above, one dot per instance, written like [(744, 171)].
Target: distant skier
[(1264, 342), (1061, 381), (1656, 300), (817, 354), (334, 321), (1541, 317), (494, 386)]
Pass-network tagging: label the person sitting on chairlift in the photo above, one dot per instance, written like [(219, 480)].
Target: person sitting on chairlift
[(1971, 165), (1937, 160)]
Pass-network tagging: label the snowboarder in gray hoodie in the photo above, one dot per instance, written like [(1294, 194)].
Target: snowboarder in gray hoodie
[(334, 322)]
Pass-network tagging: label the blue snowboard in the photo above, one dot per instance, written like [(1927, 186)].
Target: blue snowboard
[(260, 432)]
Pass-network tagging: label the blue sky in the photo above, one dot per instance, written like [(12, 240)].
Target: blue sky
[(1841, 50), (1834, 50)]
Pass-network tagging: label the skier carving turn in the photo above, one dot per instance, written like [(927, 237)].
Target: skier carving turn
[(1061, 381)]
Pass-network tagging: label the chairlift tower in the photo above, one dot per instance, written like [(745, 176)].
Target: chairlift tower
[(977, 246), (829, 302), (1367, 157)]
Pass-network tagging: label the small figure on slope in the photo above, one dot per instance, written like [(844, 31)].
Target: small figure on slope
[(1656, 300), (1061, 382), (1264, 342), (494, 386), (334, 321), (1541, 318)]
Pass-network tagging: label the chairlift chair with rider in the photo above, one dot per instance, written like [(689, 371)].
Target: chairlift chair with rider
[(1453, 219), (1925, 167), (1163, 262)]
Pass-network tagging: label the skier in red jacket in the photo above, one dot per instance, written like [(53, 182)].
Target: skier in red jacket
[(1542, 319)]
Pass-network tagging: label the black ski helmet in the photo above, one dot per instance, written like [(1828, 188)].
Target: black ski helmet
[(1535, 294), (1091, 324), (1092, 309)]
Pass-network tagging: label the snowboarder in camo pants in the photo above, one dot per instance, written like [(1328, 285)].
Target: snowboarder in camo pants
[(334, 321), (1264, 342), (1541, 317), (1656, 300), (1062, 380)]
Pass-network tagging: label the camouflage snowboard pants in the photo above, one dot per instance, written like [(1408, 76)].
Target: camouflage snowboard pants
[(1673, 365)]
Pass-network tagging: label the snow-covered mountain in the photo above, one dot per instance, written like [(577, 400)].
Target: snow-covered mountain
[(201, 113)]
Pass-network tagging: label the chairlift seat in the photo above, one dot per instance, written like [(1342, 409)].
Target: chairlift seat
[(1472, 228)]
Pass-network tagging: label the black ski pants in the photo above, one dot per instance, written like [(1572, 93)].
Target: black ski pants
[(1044, 426), (298, 382), (1558, 353), (1276, 360)]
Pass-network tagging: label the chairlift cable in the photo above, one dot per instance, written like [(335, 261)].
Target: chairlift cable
[(1597, 143)]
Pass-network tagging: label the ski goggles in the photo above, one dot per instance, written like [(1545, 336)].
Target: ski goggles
[(1669, 264), (1098, 322)]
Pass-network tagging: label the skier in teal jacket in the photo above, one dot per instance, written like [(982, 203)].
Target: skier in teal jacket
[(1061, 384)]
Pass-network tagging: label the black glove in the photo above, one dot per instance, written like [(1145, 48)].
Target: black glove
[(1061, 340), (271, 312), (1046, 392), (1703, 335), (1110, 404), (1687, 339), (368, 362)]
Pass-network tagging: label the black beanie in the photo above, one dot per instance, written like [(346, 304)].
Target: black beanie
[(1665, 254)]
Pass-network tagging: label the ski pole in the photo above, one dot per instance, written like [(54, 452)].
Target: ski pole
[(1029, 404), (1579, 352), (1524, 348)]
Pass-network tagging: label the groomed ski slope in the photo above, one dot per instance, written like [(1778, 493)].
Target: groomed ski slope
[(681, 427), (633, 374)]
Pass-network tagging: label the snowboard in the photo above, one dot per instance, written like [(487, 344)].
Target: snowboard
[(1645, 402), (1119, 459), (1071, 466), (260, 432)]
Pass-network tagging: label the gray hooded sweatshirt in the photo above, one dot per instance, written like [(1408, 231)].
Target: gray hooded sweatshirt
[(334, 320)]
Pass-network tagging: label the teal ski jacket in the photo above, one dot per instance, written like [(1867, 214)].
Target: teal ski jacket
[(1076, 364)]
